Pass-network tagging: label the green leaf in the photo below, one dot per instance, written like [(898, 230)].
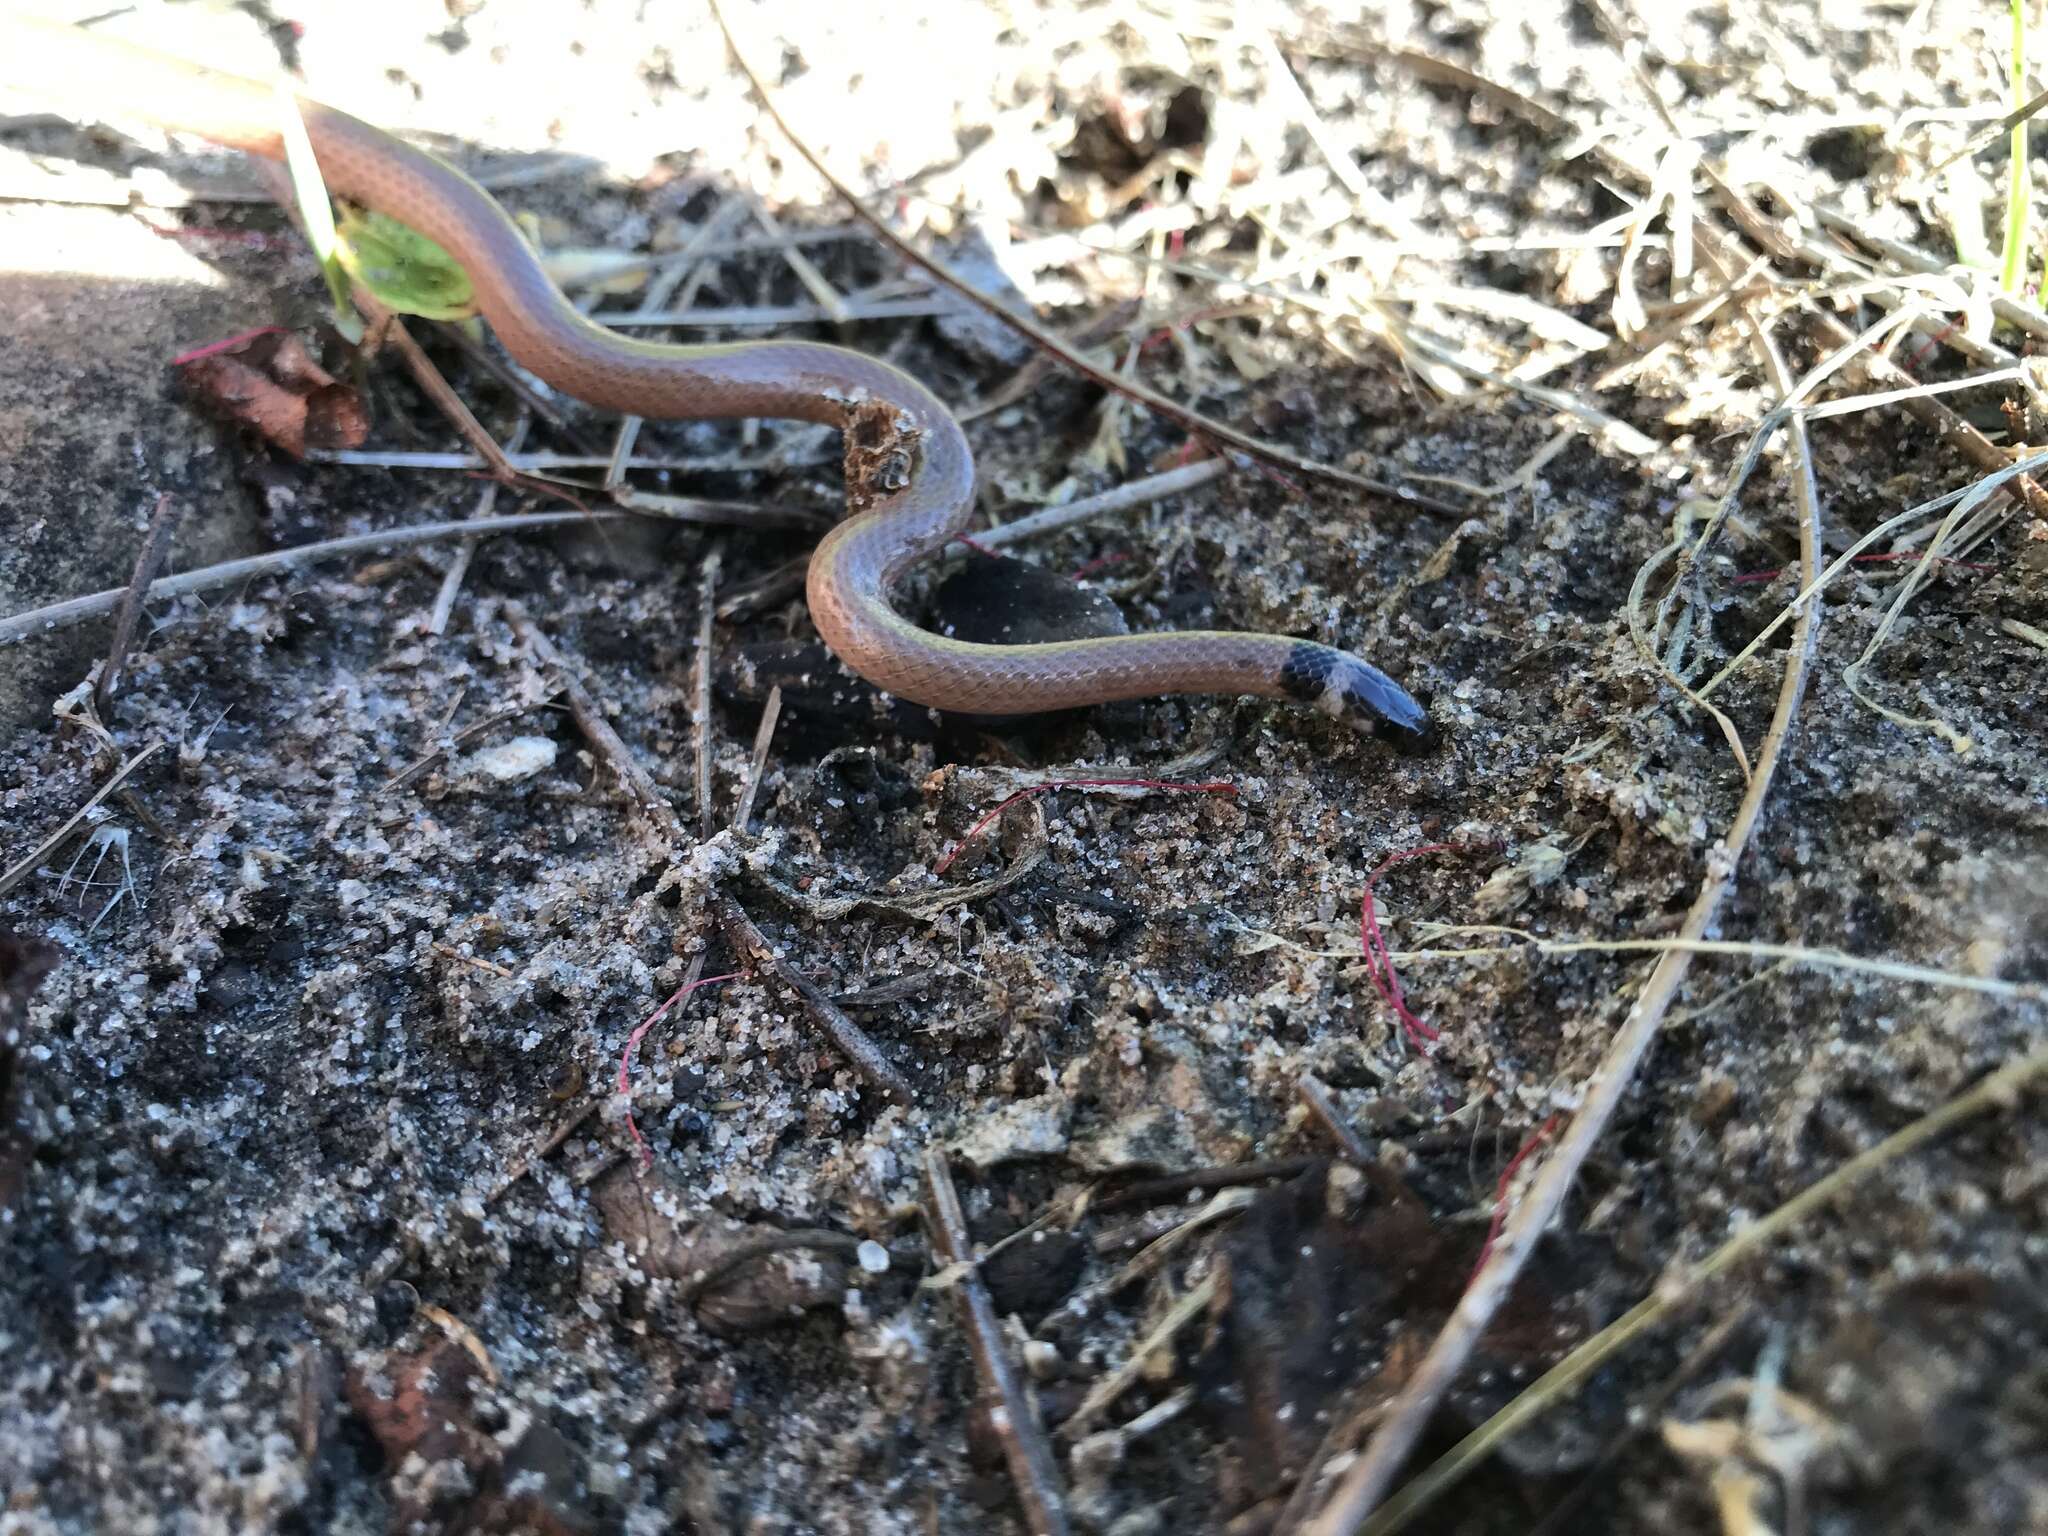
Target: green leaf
[(403, 268)]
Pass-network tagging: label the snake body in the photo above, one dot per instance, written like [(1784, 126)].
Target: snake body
[(856, 565)]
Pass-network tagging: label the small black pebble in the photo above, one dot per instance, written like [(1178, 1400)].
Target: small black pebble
[(396, 1303), (718, 1436)]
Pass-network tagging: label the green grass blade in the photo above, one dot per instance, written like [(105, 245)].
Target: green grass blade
[(316, 212)]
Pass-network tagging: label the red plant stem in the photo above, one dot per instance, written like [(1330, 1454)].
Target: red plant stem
[(1500, 1198), (632, 1040), (221, 346), (1101, 563), (1379, 965)]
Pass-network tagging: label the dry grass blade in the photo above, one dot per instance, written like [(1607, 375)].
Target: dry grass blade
[(78, 609), (700, 687), (1641, 1415), (1691, 550), (1809, 591), (1779, 954), (1134, 493), (1910, 258), (1411, 344), (1931, 413), (1366, 1483), (1038, 335), (1117, 1382), (764, 738), (156, 542), (1790, 954), (25, 866), (2000, 1091), (1916, 577), (755, 317)]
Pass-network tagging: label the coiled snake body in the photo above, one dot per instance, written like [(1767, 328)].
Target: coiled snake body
[(856, 564)]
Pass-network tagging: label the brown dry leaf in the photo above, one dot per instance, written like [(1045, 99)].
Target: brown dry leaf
[(1331, 1282), (269, 382), (1311, 1269), (448, 1474), (707, 1254), (23, 965)]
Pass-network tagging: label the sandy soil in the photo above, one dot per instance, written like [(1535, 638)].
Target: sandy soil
[(319, 1207)]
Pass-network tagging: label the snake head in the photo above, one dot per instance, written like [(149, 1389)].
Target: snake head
[(1356, 693)]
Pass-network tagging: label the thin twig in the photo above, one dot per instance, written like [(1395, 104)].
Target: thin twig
[(747, 939), (744, 599), (1317, 1097), (386, 326), (1134, 493), (155, 543), (76, 610), (547, 407), (1177, 1186), (1010, 1411), (666, 281), (854, 1042), (457, 572), (458, 568), (475, 962), (764, 738), (700, 691), (549, 1146), (467, 734), (759, 1246), (1990, 134), (442, 393), (576, 267), (835, 304), (636, 780), (469, 463)]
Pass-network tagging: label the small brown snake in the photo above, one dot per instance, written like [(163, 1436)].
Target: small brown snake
[(857, 564)]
